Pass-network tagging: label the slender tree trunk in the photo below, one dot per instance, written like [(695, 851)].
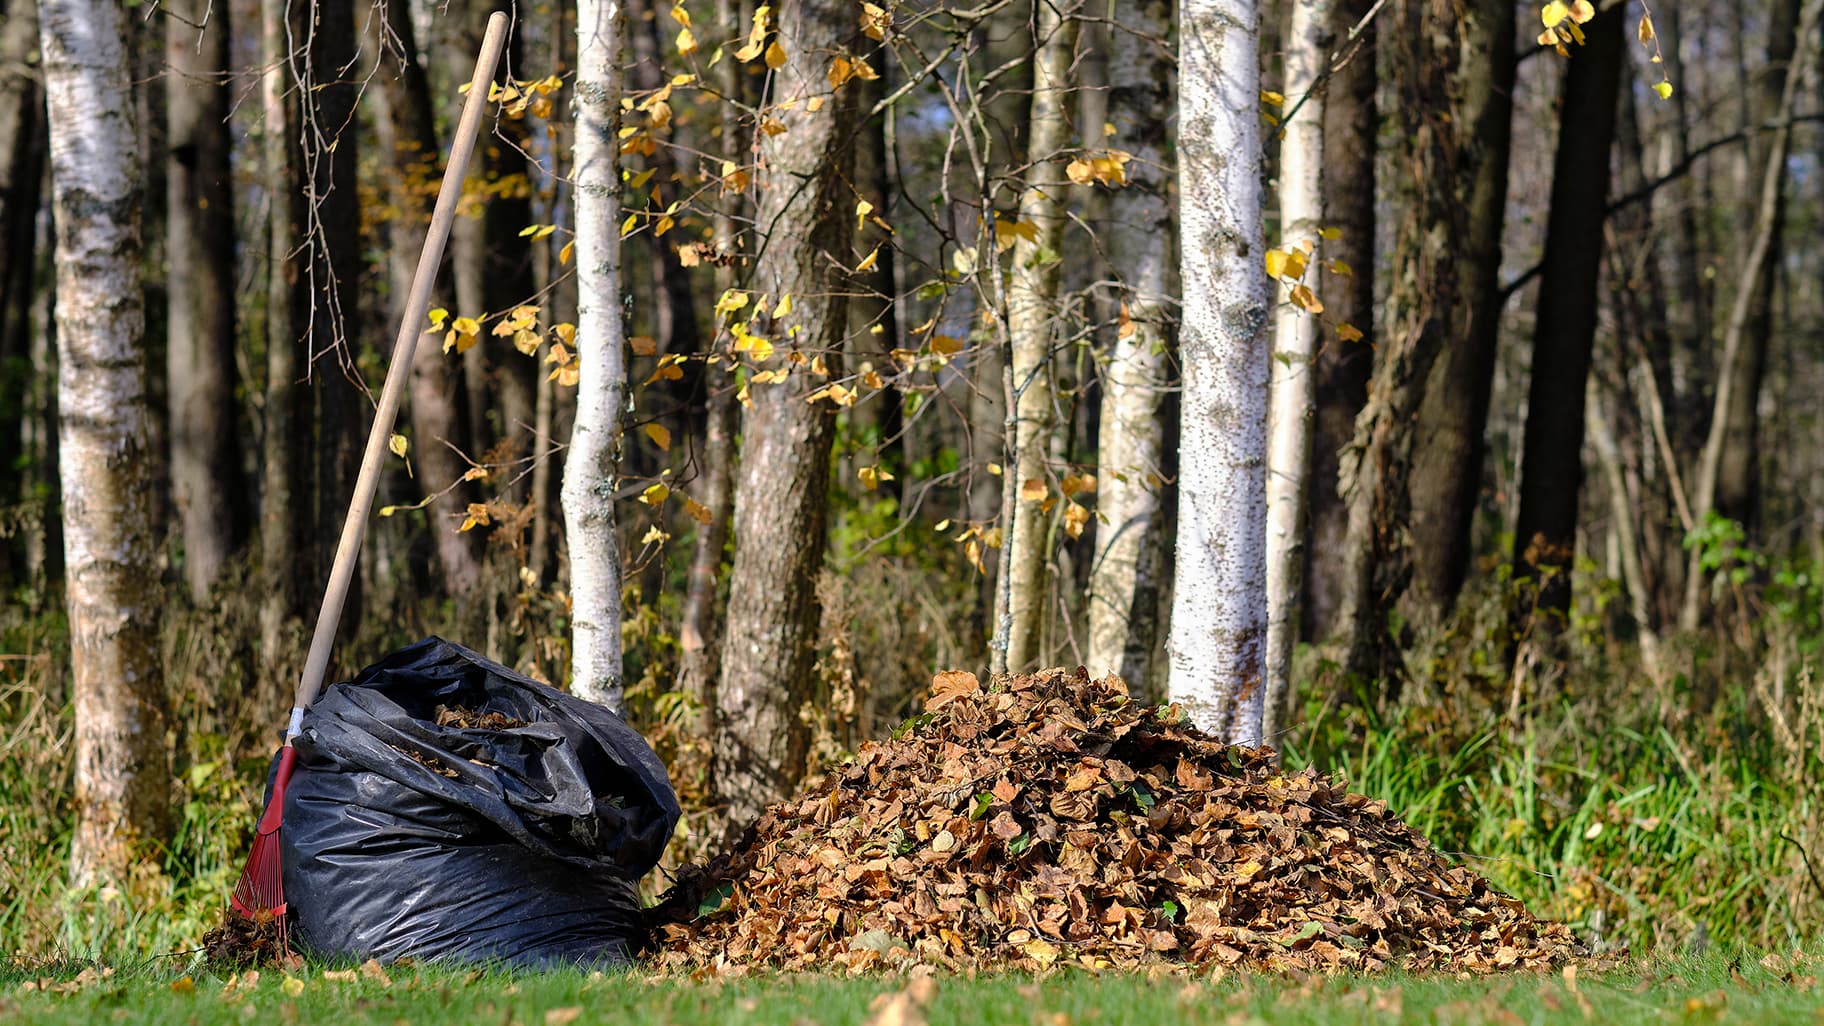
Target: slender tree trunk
[(589, 471), (1551, 467), (1343, 366), (40, 483), (1688, 409), (1124, 576), (199, 241), (333, 245), (22, 147), (546, 471), (1754, 266), (410, 135), (805, 218), (285, 518), (1446, 481), (699, 644), (1219, 611), (1738, 479), (1293, 389), (675, 307), (1032, 304), (1622, 522), (122, 770)]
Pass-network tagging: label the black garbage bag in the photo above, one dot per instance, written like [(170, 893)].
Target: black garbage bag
[(514, 832)]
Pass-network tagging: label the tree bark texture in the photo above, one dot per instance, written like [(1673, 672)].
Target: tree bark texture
[(122, 779), (1450, 446), (1219, 610), (1292, 403), (1551, 467), (1032, 308), (1343, 367), (206, 475), (589, 471), (1424, 59), (436, 408), (1129, 555), (804, 219)]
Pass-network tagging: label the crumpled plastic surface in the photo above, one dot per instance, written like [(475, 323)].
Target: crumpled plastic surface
[(525, 849)]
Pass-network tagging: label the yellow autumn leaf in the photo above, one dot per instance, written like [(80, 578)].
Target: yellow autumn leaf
[(398, 445), (1348, 332), (655, 495), (874, 21), (1645, 31), (862, 210), (1330, 233), (1553, 13), (867, 262), (775, 56), (871, 477), (687, 41), (1664, 89), (1032, 490), (564, 255), (1080, 172), (659, 435), (1076, 517), (1581, 11), (784, 307), (1272, 98)]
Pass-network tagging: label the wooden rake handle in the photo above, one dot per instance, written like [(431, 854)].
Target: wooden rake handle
[(348, 548)]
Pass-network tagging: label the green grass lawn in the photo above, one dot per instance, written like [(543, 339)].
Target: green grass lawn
[(1714, 989)]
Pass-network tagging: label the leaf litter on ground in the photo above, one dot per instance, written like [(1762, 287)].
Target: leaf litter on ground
[(1051, 820)]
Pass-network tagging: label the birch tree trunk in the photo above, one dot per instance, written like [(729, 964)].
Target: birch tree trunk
[(110, 545), (805, 219), (285, 437), (410, 134), (589, 469), (1032, 302), (199, 243), (1130, 554), (1219, 610), (1735, 333), (1291, 405)]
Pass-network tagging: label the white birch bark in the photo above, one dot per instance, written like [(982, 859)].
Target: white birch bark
[(106, 459), (589, 470), (1032, 303), (1125, 571), (1219, 607), (1292, 403)]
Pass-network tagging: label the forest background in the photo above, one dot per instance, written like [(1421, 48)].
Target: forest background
[(908, 381)]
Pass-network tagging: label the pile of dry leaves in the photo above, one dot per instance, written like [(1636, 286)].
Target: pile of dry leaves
[(1051, 820)]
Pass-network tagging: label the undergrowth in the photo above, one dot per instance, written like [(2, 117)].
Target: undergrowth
[(1674, 813)]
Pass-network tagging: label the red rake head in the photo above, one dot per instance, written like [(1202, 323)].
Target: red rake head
[(261, 890)]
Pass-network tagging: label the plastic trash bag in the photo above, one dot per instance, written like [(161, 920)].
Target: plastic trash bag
[(513, 832)]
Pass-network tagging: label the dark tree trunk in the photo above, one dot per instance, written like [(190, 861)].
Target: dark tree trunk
[(1449, 448), (206, 479), (1343, 367), (286, 519), (22, 150), (333, 270), (1551, 468)]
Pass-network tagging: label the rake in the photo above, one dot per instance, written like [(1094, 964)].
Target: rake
[(261, 891)]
